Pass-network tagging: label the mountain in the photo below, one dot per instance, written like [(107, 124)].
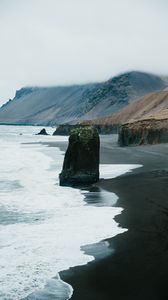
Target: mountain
[(147, 106), (143, 122), (118, 92), (44, 105), (57, 105)]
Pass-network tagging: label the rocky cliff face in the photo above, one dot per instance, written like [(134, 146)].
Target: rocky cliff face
[(81, 162), (142, 132)]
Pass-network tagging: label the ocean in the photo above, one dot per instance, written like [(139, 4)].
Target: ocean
[(43, 226)]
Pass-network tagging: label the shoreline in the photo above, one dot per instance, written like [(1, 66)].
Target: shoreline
[(137, 266), (101, 247), (132, 265)]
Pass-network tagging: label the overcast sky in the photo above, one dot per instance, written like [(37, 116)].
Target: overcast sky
[(51, 42)]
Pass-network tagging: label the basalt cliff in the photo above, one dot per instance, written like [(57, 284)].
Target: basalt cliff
[(152, 130)]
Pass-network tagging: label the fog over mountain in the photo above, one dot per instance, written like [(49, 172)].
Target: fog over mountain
[(60, 42), (57, 105)]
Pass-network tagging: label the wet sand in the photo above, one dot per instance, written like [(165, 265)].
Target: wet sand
[(136, 268)]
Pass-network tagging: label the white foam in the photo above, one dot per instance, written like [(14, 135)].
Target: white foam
[(108, 171), (31, 253)]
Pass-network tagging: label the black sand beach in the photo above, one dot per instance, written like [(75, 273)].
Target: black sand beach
[(138, 267)]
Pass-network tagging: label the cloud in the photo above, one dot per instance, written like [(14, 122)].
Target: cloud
[(50, 42)]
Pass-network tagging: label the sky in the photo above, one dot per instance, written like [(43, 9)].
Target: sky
[(59, 42)]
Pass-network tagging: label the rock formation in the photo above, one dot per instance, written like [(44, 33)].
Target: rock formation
[(42, 132), (65, 129), (142, 132), (81, 162)]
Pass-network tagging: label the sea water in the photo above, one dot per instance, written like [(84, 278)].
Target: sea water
[(43, 225)]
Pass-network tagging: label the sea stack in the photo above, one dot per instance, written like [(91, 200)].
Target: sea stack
[(42, 132), (81, 162)]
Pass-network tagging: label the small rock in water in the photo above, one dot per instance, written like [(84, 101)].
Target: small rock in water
[(81, 162), (42, 132)]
